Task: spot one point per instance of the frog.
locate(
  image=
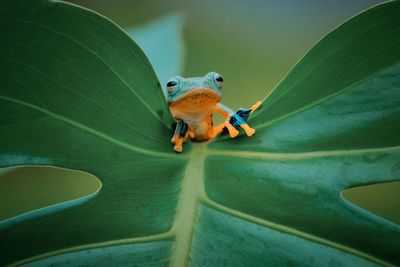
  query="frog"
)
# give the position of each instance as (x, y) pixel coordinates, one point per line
(193, 101)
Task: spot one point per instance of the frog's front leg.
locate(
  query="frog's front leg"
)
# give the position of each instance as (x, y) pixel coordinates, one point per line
(236, 119)
(180, 136)
(227, 113)
(176, 135)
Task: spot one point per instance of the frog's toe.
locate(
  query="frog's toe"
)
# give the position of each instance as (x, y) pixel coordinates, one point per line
(249, 131)
(256, 106)
(178, 145)
(233, 134)
(178, 148)
(191, 134)
(173, 140)
(231, 129)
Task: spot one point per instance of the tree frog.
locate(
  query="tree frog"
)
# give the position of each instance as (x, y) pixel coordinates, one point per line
(193, 101)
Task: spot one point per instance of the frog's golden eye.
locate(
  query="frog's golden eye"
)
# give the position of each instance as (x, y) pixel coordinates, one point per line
(172, 85)
(219, 80)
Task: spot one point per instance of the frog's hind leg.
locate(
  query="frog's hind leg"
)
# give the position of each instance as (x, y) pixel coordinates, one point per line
(181, 135)
(176, 134)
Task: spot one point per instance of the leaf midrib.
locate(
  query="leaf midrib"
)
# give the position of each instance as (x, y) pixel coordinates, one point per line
(193, 195)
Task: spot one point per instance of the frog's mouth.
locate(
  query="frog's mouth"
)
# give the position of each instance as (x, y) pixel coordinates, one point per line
(201, 100)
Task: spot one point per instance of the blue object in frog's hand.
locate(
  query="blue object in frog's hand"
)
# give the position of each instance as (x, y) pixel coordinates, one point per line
(239, 117)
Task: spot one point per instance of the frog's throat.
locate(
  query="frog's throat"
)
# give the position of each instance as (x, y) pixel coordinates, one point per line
(200, 100)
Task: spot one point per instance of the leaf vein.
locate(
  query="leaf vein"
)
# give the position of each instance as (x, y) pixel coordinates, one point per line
(98, 57)
(291, 231)
(318, 101)
(90, 130)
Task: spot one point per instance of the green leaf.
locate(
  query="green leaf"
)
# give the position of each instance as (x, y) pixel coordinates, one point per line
(78, 93)
(162, 42)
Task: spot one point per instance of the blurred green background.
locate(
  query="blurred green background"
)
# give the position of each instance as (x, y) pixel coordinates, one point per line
(253, 44)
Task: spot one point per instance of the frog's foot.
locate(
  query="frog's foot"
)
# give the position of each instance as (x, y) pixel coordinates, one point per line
(249, 131)
(181, 140)
(231, 129)
(176, 136)
(178, 144)
(240, 117)
(180, 136)
(255, 106)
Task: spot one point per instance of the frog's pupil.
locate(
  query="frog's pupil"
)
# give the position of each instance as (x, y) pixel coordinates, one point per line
(219, 79)
(171, 83)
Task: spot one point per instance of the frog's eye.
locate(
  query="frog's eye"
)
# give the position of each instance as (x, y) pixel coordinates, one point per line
(219, 80)
(172, 85)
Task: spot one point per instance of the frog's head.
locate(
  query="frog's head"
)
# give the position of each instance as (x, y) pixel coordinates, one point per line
(197, 93)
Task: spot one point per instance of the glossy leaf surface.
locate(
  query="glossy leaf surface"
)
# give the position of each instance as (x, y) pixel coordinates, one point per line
(78, 93)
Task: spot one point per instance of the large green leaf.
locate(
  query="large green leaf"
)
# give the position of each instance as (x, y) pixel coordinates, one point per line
(76, 92)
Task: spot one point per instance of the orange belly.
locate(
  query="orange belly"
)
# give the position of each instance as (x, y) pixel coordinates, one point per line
(203, 129)
(196, 108)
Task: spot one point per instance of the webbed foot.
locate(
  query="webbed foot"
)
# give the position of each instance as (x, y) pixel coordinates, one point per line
(178, 145)
(249, 131)
(238, 119)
